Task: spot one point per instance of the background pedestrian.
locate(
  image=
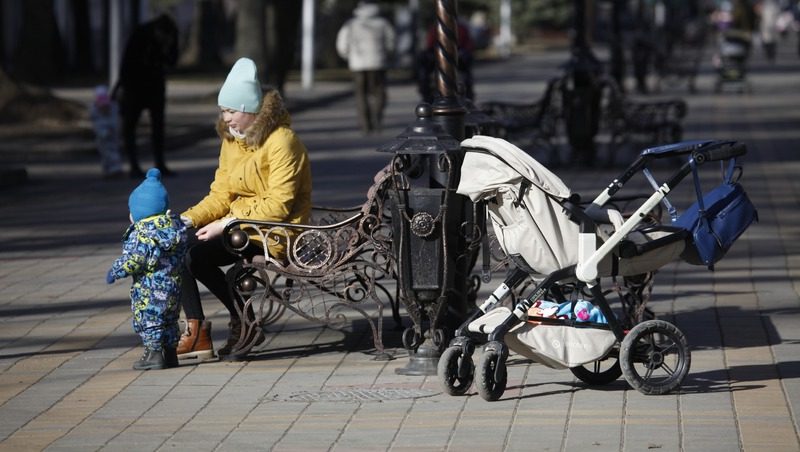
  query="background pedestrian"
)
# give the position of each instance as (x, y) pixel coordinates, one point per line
(150, 51)
(104, 113)
(367, 42)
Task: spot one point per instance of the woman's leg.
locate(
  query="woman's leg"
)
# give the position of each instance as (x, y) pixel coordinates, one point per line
(204, 261)
(190, 296)
(195, 342)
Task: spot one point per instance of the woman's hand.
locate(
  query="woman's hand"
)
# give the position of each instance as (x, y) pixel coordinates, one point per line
(211, 230)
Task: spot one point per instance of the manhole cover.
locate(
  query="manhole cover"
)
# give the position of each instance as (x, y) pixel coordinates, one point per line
(356, 395)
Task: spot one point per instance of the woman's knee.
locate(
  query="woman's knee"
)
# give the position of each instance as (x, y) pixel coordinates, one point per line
(206, 258)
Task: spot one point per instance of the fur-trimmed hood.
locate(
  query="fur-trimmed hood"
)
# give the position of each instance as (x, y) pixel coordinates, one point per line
(272, 115)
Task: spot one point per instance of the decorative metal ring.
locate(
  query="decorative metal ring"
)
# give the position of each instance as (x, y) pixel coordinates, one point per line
(313, 249)
(423, 224)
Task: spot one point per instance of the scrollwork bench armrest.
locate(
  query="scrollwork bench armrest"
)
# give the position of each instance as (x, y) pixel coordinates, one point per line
(237, 239)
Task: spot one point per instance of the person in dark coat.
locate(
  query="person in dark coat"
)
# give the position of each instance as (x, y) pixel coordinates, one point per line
(150, 51)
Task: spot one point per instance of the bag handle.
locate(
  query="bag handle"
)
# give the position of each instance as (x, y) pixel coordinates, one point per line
(733, 169)
(727, 178)
(697, 188)
(730, 176)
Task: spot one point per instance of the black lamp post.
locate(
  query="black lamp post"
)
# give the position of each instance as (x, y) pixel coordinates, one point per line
(447, 109)
(581, 96)
(433, 226)
(617, 49)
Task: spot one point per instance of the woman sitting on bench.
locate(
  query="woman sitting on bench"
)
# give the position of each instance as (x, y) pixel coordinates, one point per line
(263, 174)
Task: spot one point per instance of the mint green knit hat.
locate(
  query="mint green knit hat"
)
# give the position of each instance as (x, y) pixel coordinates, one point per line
(241, 90)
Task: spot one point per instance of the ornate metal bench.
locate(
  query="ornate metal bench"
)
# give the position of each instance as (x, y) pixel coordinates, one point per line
(342, 260)
(630, 121)
(534, 124)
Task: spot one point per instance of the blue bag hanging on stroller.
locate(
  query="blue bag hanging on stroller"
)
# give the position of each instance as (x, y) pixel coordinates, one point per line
(717, 219)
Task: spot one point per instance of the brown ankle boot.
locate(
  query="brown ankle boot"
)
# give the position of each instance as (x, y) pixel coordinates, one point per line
(195, 342)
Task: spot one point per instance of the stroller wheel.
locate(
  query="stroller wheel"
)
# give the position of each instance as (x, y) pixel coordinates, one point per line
(454, 381)
(655, 357)
(492, 375)
(600, 372)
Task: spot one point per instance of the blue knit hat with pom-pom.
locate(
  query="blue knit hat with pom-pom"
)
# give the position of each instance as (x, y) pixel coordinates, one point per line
(149, 198)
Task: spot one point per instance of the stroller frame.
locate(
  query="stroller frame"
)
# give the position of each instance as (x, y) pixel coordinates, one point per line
(636, 340)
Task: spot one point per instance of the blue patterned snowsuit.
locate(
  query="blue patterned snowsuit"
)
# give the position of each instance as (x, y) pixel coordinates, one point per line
(152, 253)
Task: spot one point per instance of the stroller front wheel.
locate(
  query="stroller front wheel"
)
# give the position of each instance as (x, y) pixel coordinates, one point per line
(492, 375)
(655, 357)
(456, 371)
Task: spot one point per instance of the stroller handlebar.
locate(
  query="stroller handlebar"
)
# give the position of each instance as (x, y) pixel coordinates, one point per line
(719, 153)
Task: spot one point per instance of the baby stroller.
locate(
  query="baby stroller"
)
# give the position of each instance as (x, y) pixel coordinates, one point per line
(734, 51)
(550, 236)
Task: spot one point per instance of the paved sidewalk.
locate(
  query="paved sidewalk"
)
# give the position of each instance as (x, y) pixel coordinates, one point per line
(66, 345)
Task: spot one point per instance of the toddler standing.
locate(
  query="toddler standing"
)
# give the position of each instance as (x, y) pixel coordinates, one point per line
(153, 250)
(105, 121)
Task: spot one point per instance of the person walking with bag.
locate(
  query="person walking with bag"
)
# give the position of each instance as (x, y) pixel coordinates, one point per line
(263, 174)
(367, 42)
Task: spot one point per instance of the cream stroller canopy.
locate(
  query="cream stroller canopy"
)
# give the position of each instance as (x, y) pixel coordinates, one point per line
(482, 175)
(524, 203)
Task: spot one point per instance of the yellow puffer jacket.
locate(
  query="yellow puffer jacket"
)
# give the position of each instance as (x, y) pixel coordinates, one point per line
(264, 176)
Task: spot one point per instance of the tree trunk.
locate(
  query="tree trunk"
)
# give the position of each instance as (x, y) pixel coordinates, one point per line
(250, 33)
(39, 54)
(283, 18)
(83, 39)
(203, 47)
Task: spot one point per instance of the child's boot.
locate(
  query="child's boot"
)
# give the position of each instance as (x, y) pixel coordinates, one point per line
(195, 342)
(151, 359)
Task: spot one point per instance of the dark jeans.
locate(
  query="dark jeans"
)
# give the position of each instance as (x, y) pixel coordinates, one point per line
(203, 262)
(132, 110)
(370, 88)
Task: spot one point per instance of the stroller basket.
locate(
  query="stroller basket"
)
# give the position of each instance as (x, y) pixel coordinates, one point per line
(556, 346)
